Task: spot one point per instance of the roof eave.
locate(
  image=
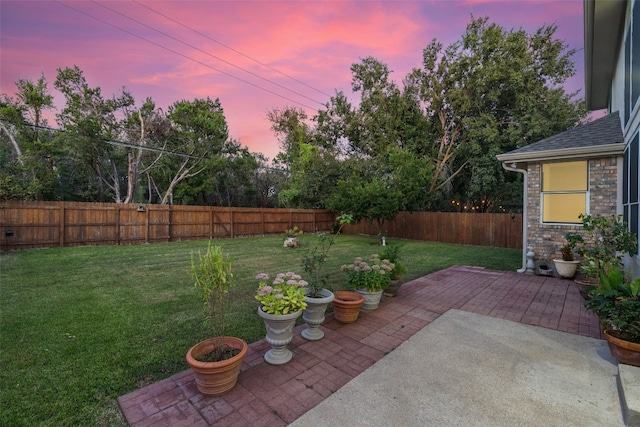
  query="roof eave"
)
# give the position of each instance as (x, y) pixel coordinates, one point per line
(603, 30)
(564, 154)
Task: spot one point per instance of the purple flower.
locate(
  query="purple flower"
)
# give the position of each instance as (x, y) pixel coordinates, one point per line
(262, 276)
(279, 296)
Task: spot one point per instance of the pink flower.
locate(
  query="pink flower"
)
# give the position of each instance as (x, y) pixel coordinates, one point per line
(262, 276)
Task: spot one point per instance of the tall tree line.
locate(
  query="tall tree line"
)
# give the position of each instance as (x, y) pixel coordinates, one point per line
(111, 150)
(430, 143)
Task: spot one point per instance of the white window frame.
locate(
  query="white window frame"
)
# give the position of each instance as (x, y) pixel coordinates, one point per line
(543, 193)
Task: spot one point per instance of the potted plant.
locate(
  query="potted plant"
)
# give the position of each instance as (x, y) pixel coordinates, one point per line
(607, 240)
(369, 278)
(317, 296)
(391, 252)
(281, 303)
(346, 306)
(567, 266)
(617, 305)
(291, 237)
(215, 362)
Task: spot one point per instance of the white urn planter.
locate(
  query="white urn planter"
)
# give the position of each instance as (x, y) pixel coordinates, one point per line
(566, 269)
(313, 315)
(371, 299)
(279, 334)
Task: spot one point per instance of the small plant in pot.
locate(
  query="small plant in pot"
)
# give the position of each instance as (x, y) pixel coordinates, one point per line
(317, 296)
(369, 278)
(281, 303)
(392, 253)
(567, 266)
(617, 305)
(291, 237)
(215, 362)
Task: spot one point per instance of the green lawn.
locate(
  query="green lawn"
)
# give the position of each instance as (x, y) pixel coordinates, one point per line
(81, 326)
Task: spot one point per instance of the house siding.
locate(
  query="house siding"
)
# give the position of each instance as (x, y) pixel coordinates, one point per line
(545, 240)
(625, 98)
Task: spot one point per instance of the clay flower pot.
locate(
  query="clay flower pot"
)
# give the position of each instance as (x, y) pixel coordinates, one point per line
(216, 378)
(566, 269)
(346, 306)
(623, 351)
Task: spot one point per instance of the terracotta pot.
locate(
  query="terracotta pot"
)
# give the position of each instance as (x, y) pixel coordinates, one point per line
(313, 315)
(279, 334)
(216, 378)
(624, 351)
(566, 269)
(346, 306)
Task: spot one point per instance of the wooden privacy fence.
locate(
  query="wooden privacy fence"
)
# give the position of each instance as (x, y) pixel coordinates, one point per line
(25, 225)
(48, 224)
(498, 230)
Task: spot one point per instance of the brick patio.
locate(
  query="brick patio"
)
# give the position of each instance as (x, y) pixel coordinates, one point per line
(271, 396)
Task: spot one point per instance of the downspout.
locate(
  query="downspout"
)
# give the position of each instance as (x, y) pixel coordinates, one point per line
(514, 168)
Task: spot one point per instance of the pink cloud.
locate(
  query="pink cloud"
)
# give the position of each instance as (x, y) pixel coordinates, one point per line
(315, 42)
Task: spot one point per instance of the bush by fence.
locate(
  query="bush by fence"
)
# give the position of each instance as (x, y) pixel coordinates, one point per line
(25, 225)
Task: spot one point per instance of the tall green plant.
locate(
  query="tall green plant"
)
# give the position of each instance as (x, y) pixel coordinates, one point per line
(313, 261)
(213, 279)
(609, 239)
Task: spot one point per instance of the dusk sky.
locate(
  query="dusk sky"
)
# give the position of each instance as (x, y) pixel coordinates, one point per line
(252, 55)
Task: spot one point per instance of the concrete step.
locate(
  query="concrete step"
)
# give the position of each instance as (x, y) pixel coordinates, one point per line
(629, 387)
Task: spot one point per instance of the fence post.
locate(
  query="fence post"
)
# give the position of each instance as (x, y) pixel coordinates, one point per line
(233, 234)
(62, 225)
(211, 221)
(146, 224)
(117, 224)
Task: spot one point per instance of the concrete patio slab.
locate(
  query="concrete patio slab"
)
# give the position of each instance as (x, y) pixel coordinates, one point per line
(466, 369)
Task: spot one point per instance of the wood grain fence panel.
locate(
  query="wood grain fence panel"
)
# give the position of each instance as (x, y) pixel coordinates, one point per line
(47, 224)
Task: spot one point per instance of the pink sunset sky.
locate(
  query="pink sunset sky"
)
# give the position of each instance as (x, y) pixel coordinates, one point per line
(175, 50)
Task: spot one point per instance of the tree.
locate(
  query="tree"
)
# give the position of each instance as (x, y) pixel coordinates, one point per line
(491, 92)
(90, 123)
(28, 153)
(199, 133)
(147, 131)
(310, 163)
(378, 189)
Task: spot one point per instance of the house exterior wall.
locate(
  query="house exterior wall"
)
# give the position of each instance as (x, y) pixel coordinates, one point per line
(625, 100)
(545, 240)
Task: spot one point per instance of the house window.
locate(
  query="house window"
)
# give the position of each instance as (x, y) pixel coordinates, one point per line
(564, 191)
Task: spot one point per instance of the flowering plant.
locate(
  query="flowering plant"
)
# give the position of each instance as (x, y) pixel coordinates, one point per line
(372, 276)
(285, 295)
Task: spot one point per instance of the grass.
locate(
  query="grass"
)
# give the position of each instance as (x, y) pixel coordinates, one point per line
(82, 326)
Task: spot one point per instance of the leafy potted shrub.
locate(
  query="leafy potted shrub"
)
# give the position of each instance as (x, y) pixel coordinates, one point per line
(215, 362)
(607, 240)
(281, 303)
(291, 237)
(369, 278)
(567, 266)
(317, 296)
(391, 253)
(617, 305)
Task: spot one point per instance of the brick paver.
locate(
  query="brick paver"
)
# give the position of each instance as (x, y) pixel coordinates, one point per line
(277, 395)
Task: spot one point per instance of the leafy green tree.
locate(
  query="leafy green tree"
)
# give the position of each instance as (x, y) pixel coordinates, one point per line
(491, 92)
(311, 165)
(199, 134)
(90, 122)
(378, 189)
(28, 153)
